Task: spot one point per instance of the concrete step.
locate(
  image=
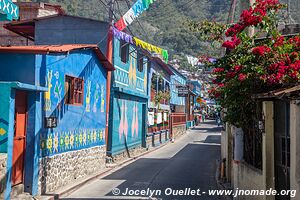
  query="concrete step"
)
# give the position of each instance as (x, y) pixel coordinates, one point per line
(16, 190)
(23, 196)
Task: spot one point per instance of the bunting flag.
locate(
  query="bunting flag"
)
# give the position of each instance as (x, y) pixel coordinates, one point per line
(138, 7)
(151, 48)
(140, 43)
(123, 36)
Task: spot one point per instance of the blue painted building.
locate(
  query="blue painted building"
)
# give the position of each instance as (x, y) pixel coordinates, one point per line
(53, 114)
(159, 102)
(129, 97)
(177, 79)
(178, 105)
(195, 87)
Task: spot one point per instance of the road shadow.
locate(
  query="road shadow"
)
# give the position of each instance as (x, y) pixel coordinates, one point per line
(209, 130)
(211, 139)
(192, 167)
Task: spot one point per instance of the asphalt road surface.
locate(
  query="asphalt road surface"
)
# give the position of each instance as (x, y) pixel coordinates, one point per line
(185, 169)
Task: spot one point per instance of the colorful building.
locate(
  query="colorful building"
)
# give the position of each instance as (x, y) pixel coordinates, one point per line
(178, 104)
(8, 10)
(27, 12)
(159, 102)
(53, 115)
(128, 102)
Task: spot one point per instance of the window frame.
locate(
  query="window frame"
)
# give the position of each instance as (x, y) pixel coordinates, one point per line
(76, 95)
(124, 49)
(140, 62)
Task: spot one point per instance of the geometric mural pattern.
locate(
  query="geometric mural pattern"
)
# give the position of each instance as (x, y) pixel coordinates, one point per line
(55, 143)
(121, 76)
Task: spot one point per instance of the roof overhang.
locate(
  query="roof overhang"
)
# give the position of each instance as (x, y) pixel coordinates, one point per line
(292, 92)
(48, 49)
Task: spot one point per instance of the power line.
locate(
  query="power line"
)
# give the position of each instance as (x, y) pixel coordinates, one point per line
(128, 5)
(119, 10)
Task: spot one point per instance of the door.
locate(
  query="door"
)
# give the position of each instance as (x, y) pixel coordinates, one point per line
(282, 147)
(19, 137)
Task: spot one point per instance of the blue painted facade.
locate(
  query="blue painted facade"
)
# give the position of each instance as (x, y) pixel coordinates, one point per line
(128, 102)
(177, 79)
(158, 113)
(87, 127)
(79, 126)
(195, 87)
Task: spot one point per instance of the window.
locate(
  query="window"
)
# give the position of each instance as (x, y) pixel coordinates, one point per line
(124, 51)
(167, 87)
(154, 81)
(161, 84)
(73, 90)
(140, 61)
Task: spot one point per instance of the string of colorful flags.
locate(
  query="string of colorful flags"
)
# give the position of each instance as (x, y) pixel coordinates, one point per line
(140, 43)
(133, 13)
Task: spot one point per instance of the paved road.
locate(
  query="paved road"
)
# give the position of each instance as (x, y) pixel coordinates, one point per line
(190, 162)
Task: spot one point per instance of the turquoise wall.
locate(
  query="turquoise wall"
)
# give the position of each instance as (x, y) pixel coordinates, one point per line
(79, 126)
(128, 118)
(127, 123)
(5, 112)
(127, 77)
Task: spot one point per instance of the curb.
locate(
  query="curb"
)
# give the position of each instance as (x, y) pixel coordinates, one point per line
(105, 172)
(220, 184)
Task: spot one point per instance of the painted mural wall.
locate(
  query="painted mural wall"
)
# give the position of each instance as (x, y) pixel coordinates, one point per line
(128, 121)
(126, 75)
(128, 109)
(79, 126)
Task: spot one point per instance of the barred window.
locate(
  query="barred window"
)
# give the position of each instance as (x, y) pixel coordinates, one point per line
(74, 88)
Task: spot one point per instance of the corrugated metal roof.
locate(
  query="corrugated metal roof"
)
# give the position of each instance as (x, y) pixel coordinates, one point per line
(47, 49)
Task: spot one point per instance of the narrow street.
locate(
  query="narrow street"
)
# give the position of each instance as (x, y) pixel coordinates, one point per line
(189, 162)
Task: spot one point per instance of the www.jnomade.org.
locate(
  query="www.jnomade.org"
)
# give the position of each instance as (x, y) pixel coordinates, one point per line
(197, 192)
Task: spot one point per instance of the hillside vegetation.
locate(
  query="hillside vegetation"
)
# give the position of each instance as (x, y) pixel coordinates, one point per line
(164, 24)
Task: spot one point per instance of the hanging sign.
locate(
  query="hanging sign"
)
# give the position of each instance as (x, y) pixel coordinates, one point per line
(8, 10)
(183, 90)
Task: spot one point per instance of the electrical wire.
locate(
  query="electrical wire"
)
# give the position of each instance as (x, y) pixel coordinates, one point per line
(147, 36)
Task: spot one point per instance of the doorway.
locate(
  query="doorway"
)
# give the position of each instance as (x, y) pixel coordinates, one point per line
(282, 147)
(19, 142)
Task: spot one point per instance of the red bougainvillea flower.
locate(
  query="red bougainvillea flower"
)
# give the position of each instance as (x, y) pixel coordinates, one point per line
(238, 68)
(279, 41)
(260, 50)
(242, 77)
(294, 55)
(230, 74)
(235, 29)
(218, 70)
(231, 44)
(221, 84)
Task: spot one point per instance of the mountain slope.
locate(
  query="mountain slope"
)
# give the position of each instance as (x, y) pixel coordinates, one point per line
(164, 24)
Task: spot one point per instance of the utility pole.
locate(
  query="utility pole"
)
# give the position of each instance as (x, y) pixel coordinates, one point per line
(109, 55)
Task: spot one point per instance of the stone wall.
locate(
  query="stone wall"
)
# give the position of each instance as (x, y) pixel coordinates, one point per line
(133, 152)
(59, 170)
(3, 159)
(178, 131)
(249, 178)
